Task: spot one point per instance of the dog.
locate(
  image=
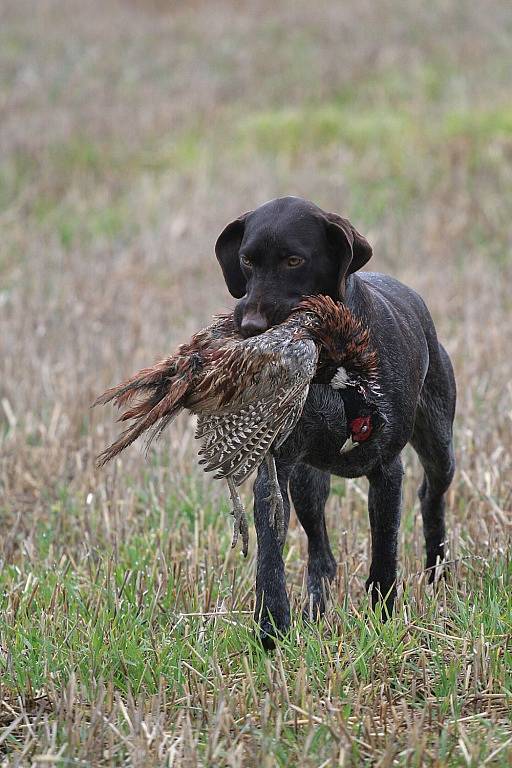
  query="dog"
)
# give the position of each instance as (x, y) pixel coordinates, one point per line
(271, 258)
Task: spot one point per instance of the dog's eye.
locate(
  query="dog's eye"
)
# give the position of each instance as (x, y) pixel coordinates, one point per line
(245, 261)
(295, 261)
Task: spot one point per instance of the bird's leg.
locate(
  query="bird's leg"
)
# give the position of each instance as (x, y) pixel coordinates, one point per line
(240, 525)
(275, 498)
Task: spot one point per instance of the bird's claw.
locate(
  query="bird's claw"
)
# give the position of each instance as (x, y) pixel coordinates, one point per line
(240, 527)
(276, 515)
(275, 500)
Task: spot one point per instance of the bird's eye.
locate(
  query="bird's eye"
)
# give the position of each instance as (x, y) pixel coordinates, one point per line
(245, 261)
(295, 261)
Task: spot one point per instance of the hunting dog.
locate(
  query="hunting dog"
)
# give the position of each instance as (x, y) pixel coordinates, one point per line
(271, 257)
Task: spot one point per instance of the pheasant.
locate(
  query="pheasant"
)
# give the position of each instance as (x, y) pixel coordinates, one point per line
(248, 394)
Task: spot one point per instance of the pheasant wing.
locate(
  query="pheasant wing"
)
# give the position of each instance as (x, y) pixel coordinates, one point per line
(255, 458)
(235, 442)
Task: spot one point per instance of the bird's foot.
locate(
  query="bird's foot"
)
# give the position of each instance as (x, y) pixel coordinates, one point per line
(240, 528)
(275, 500)
(240, 525)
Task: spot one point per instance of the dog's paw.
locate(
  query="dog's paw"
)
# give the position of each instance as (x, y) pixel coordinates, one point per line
(383, 594)
(267, 635)
(270, 631)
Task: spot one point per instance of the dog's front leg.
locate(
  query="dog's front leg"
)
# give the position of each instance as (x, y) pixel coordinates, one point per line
(272, 604)
(384, 506)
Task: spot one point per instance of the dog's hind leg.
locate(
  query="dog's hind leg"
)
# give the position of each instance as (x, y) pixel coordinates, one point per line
(432, 440)
(309, 489)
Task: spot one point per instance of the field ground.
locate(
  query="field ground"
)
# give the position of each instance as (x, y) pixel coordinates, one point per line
(131, 132)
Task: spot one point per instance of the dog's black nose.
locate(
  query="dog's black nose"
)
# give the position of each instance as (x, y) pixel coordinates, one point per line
(253, 324)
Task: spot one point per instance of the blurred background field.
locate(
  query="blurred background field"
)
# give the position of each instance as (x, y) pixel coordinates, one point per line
(130, 134)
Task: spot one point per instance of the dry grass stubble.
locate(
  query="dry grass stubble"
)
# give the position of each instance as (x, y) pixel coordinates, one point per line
(129, 137)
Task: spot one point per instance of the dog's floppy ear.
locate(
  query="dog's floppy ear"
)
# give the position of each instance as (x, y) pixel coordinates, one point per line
(352, 249)
(227, 249)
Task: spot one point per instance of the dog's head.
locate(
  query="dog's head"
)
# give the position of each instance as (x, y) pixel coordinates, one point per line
(286, 249)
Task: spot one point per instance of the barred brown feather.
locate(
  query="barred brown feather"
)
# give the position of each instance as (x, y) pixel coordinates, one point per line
(235, 443)
(248, 393)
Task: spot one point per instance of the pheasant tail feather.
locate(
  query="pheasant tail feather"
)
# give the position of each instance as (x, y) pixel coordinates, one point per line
(155, 409)
(146, 378)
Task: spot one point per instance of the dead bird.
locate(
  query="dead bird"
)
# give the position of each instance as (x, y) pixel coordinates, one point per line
(248, 393)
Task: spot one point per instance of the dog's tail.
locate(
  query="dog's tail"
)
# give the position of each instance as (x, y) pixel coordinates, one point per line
(161, 391)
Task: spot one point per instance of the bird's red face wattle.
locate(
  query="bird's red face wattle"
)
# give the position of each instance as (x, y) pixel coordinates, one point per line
(361, 428)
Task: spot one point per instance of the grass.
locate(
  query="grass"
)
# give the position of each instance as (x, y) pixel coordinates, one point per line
(143, 624)
(129, 138)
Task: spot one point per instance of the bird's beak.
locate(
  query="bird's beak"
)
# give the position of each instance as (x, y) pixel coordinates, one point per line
(348, 445)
